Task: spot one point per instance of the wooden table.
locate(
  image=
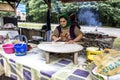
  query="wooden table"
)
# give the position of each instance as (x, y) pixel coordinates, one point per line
(59, 47)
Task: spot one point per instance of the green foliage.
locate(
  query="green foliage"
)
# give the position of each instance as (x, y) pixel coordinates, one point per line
(110, 12)
(58, 7)
(2, 14)
(64, 8)
(37, 11)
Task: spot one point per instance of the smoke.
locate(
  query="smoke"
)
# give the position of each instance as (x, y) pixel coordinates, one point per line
(88, 16)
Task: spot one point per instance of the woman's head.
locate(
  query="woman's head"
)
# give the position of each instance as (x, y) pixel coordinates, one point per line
(64, 20)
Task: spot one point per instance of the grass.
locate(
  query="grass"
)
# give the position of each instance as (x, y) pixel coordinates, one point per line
(29, 25)
(32, 25)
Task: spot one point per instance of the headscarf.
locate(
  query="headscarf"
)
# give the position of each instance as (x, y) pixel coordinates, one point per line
(66, 18)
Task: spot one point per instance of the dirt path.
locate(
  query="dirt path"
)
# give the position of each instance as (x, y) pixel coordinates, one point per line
(109, 31)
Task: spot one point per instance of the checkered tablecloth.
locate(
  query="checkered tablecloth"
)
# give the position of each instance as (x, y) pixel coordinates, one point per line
(33, 67)
(1, 65)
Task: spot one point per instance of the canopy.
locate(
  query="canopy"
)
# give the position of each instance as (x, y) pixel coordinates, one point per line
(9, 5)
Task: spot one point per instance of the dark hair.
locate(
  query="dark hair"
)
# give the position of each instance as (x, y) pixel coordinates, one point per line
(63, 17)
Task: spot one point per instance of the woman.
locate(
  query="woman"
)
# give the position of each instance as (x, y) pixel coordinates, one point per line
(65, 31)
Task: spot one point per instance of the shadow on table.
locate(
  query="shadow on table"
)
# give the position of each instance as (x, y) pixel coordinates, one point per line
(3, 77)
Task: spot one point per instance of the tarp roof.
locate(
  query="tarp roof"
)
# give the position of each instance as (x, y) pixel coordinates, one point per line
(13, 4)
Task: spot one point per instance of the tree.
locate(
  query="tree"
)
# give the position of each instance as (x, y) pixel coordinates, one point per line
(58, 8)
(2, 14)
(110, 12)
(37, 11)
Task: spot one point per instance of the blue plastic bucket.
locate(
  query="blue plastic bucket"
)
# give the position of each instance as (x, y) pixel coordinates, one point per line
(20, 48)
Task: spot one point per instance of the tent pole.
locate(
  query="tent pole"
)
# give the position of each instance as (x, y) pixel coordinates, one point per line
(48, 15)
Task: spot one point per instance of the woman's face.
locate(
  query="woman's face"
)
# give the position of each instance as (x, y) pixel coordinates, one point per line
(63, 22)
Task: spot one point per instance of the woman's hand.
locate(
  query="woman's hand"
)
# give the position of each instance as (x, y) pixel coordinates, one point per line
(71, 41)
(54, 38)
(57, 39)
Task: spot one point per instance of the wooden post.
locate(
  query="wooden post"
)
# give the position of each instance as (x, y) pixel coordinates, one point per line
(47, 57)
(75, 58)
(48, 15)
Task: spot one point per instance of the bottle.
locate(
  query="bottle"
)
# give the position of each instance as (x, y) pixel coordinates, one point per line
(7, 36)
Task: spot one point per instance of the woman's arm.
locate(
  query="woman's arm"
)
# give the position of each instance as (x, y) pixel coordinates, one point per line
(78, 38)
(79, 35)
(55, 34)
